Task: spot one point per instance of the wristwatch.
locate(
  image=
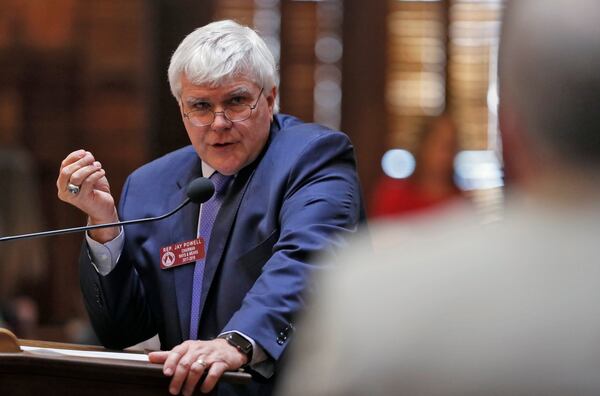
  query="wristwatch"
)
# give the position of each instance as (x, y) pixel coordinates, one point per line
(239, 342)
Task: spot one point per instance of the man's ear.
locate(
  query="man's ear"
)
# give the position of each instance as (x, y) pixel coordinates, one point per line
(271, 98)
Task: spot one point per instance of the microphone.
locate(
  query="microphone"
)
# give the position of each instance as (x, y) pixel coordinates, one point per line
(198, 191)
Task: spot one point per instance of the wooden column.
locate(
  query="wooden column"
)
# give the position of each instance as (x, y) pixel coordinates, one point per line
(363, 106)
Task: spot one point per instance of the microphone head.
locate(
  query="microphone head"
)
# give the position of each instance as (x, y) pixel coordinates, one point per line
(200, 190)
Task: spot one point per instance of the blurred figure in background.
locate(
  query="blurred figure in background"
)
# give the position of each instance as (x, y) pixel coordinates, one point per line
(431, 186)
(20, 315)
(509, 309)
(22, 264)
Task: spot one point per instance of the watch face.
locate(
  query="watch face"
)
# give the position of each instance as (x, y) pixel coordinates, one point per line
(242, 344)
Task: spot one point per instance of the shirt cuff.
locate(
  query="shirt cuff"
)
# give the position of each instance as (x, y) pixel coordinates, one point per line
(105, 256)
(261, 363)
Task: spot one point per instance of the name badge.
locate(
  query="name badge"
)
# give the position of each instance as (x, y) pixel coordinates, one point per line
(182, 253)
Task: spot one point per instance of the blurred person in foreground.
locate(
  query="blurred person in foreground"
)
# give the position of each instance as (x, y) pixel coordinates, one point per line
(431, 186)
(510, 309)
(285, 190)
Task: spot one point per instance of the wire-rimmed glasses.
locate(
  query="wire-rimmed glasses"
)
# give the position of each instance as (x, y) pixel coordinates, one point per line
(232, 112)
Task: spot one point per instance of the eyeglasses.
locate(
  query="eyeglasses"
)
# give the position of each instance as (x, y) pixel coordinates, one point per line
(232, 112)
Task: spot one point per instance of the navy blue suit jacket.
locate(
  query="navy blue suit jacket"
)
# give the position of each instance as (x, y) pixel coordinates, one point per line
(300, 197)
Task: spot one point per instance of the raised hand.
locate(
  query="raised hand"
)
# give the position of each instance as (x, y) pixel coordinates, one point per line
(82, 183)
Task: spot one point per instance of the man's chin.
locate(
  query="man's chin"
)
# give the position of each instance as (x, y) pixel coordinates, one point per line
(226, 169)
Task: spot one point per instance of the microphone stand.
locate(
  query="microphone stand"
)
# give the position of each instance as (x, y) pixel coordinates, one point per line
(199, 190)
(94, 227)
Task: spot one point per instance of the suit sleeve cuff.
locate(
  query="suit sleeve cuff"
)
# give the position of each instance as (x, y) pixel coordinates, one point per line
(104, 257)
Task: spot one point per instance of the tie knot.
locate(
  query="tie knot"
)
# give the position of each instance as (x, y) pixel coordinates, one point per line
(220, 181)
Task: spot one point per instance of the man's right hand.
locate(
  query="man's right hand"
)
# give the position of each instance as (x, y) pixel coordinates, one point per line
(94, 198)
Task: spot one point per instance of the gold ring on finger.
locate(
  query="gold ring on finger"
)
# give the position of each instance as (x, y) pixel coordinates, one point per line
(202, 363)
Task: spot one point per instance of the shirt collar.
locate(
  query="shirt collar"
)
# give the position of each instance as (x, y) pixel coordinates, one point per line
(207, 170)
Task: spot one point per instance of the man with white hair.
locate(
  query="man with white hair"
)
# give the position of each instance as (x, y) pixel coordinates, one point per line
(509, 309)
(285, 191)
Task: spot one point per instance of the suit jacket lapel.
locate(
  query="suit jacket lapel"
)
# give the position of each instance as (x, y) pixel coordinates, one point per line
(184, 227)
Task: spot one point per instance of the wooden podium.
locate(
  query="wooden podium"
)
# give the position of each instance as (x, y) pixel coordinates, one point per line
(47, 373)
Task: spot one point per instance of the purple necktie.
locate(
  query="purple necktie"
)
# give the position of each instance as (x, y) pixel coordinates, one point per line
(209, 213)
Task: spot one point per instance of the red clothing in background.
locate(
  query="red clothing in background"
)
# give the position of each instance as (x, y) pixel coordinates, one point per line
(394, 197)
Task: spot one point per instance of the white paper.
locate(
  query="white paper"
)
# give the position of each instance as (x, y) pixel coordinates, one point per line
(140, 357)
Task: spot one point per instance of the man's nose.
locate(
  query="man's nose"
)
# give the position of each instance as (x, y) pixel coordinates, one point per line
(221, 121)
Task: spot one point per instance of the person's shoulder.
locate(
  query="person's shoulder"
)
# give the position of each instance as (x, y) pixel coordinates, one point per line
(296, 136)
(396, 249)
(291, 127)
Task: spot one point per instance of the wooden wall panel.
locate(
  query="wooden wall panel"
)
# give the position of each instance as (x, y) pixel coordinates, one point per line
(298, 61)
(72, 75)
(363, 84)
